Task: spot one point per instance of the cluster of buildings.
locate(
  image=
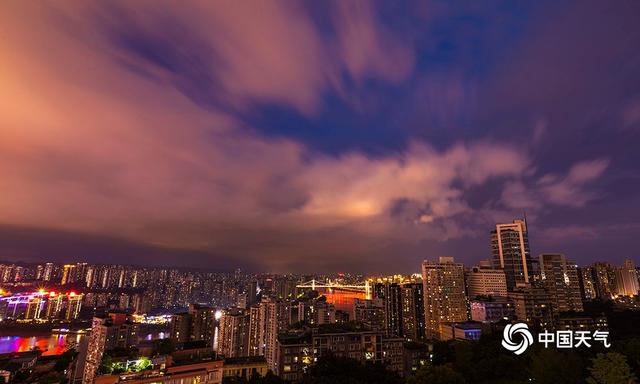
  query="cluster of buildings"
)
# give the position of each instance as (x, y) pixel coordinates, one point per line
(250, 324)
(40, 306)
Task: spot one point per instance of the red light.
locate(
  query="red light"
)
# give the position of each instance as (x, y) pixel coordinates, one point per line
(72, 293)
(52, 293)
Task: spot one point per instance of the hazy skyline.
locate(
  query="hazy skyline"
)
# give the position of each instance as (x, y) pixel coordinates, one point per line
(317, 136)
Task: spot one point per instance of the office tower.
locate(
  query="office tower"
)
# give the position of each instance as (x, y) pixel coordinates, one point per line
(370, 312)
(627, 279)
(233, 340)
(74, 304)
(39, 272)
(444, 296)
(391, 295)
(413, 311)
(47, 274)
(510, 249)
(484, 281)
(587, 283)
(68, 274)
(560, 277)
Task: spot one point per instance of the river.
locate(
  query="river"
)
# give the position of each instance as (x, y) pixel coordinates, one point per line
(51, 344)
(54, 343)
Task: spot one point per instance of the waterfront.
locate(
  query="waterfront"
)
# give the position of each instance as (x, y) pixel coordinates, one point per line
(50, 344)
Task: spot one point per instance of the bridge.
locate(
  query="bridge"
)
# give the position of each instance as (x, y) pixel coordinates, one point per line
(335, 285)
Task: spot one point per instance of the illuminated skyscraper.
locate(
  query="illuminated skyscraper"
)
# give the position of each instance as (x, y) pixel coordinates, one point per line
(68, 274)
(34, 308)
(54, 305)
(413, 311)
(627, 279)
(107, 332)
(263, 330)
(444, 296)
(510, 248)
(47, 274)
(390, 294)
(560, 277)
(604, 275)
(95, 349)
(74, 304)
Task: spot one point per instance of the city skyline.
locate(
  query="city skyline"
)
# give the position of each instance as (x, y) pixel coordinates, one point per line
(317, 137)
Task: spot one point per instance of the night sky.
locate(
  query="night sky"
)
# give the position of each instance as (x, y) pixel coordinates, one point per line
(317, 136)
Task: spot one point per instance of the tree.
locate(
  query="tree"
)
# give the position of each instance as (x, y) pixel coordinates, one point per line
(440, 374)
(553, 366)
(610, 368)
(331, 369)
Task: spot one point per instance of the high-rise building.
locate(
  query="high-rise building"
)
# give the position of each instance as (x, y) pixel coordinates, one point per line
(560, 277)
(74, 304)
(197, 324)
(604, 275)
(107, 332)
(510, 249)
(627, 279)
(391, 295)
(68, 274)
(233, 340)
(180, 325)
(444, 296)
(263, 330)
(202, 323)
(484, 281)
(54, 305)
(587, 283)
(34, 308)
(413, 311)
(47, 274)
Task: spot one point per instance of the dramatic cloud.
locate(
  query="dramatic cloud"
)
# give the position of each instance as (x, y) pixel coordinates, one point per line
(134, 124)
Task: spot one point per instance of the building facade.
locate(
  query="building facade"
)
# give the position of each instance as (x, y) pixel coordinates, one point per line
(444, 294)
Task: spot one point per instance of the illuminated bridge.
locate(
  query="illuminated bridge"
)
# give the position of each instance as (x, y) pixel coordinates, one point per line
(339, 294)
